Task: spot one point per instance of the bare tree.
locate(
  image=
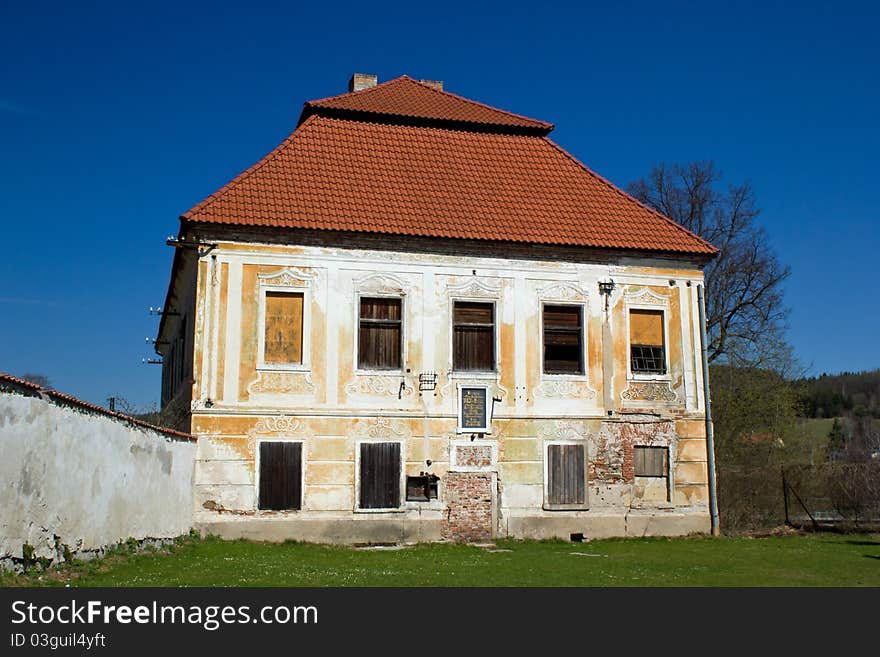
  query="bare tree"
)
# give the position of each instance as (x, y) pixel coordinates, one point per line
(38, 379)
(745, 312)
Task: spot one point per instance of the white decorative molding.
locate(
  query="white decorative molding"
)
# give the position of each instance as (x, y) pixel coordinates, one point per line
(380, 427)
(649, 391)
(449, 388)
(563, 291)
(288, 277)
(565, 389)
(646, 296)
(378, 386)
(474, 288)
(564, 430)
(275, 425)
(381, 284)
(282, 383)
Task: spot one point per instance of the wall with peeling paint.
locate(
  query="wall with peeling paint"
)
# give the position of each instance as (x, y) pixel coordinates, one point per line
(81, 481)
(330, 405)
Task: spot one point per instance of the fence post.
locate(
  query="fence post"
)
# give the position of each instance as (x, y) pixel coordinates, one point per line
(785, 495)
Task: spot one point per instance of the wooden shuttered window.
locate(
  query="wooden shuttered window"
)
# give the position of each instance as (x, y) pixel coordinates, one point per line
(473, 336)
(647, 344)
(380, 334)
(283, 330)
(651, 461)
(566, 480)
(563, 340)
(379, 476)
(280, 476)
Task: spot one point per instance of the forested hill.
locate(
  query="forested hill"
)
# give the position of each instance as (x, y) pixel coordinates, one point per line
(837, 395)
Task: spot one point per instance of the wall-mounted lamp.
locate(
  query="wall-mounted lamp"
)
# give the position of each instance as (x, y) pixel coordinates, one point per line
(606, 288)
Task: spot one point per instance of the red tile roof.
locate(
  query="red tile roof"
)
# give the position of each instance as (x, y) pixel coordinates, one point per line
(356, 173)
(405, 97)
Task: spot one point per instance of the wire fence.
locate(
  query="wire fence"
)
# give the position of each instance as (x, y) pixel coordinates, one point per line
(825, 496)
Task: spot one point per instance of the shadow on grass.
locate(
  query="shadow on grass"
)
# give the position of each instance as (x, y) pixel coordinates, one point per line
(868, 543)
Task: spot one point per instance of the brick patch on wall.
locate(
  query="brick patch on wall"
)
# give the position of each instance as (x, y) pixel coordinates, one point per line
(468, 513)
(473, 456)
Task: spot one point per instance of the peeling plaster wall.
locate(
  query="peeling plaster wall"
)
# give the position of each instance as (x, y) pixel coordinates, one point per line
(330, 405)
(86, 481)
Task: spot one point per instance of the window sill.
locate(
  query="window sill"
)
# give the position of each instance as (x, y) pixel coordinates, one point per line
(282, 367)
(474, 374)
(391, 510)
(360, 372)
(649, 377)
(565, 507)
(560, 376)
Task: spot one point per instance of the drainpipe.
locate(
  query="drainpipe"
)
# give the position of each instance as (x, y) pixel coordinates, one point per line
(710, 433)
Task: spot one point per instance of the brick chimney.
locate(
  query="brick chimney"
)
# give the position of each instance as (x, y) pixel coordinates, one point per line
(437, 84)
(362, 81)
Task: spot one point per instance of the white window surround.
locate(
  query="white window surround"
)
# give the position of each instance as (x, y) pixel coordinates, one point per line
(401, 480)
(304, 366)
(647, 300)
(551, 376)
(547, 506)
(492, 374)
(459, 388)
(357, 334)
(302, 474)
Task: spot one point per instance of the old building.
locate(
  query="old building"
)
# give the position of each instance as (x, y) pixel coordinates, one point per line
(419, 318)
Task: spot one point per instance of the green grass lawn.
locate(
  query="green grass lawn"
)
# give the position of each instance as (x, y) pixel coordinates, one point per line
(797, 560)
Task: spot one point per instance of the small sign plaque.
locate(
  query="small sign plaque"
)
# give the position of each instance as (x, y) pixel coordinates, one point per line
(473, 409)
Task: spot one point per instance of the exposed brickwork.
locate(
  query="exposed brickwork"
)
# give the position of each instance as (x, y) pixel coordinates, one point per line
(468, 513)
(473, 456)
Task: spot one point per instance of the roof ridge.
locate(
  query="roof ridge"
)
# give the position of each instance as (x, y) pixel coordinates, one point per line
(628, 196)
(479, 104)
(323, 103)
(244, 175)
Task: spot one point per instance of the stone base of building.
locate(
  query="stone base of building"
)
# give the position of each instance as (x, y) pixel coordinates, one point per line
(365, 529)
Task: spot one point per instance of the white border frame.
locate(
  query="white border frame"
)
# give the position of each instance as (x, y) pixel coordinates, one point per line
(545, 504)
(455, 467)
(664, 310)
(560, 376)
(359, 294)
(495, 372)
(304, 366)
(670, 479)
(401, 481)
(459, 391)
(302, 473)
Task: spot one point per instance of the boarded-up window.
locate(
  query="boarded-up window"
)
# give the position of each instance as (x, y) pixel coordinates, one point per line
(280, 475)
(380, 476)
(646, 339)
(473, 336)
(563, 340)
(651, 461)
(379, 340)
(566, 483)
(284, 328)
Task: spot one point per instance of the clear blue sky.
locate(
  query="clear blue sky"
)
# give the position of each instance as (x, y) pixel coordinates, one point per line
(116, 117)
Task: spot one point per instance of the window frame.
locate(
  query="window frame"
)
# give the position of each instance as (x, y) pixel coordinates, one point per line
(549, 506)
(357, 339)
(642, 376)
(496, 347)
(302, 473)
(304, 365)
(401, 480)
(583, 341)
(666, 460)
